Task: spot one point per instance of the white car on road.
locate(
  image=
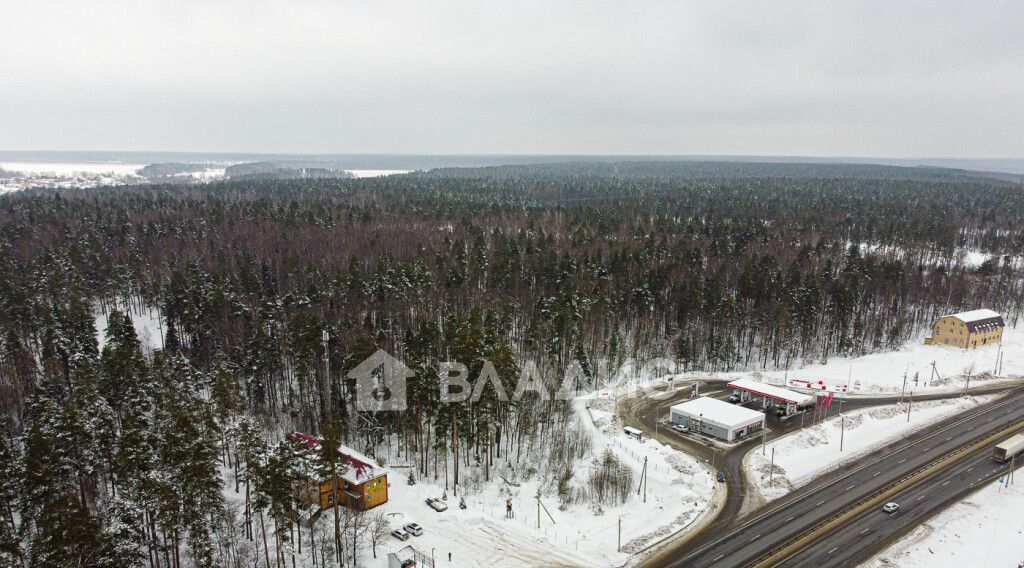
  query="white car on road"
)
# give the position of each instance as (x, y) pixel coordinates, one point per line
(890, 507)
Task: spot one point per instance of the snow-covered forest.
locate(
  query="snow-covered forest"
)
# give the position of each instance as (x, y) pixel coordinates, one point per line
(130, 454)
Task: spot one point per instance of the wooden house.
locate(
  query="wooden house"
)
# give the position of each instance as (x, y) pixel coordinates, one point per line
(361, 483)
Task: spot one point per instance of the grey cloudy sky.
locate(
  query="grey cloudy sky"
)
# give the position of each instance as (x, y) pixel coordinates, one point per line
(889, 79)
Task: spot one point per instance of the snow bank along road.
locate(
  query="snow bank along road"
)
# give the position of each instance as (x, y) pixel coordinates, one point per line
(825, 497)
(874, 529)
(645, 412)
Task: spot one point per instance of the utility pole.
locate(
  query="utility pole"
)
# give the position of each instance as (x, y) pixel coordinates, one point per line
(910, 403)
(842, 431)
(325, 386)
(999, 354)
(904, 389)
(643, 480)
(771, 468)
(620, 535)
(764, 438)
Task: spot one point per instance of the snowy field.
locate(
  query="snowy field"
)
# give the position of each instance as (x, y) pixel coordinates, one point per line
(71, 169)
(986, 530)
(883, 372)
(209, 174)
(810, 452)
(67, 175)
(376, 173)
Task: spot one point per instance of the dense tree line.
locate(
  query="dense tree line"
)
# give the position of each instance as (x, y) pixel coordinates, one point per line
(122, 456)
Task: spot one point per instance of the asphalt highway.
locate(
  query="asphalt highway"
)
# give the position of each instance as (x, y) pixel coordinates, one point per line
(831, 494)
(648, 413)
(856, 541)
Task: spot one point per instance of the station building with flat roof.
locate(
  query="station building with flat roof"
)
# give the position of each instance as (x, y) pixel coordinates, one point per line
(717, 419)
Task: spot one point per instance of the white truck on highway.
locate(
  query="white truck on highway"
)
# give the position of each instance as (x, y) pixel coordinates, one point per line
(1008, 448)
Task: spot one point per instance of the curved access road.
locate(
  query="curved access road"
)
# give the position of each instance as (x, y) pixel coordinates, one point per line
(832, 494)
(648, 413)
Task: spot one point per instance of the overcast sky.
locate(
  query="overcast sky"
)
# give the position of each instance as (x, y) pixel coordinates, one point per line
(887, 79)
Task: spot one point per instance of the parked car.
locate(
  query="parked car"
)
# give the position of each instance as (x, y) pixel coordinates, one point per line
(679, 428)
(414, 529)
(437, 505)
(721, 477)
(890, 507)
(400, 534)
(734, 398)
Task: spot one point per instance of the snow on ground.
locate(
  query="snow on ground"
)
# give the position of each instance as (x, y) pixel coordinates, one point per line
(810, 452)
(985, 530)
(883, 372)
(147, 327)
(376, 173)
(678, 491)
(209, 174)
(71, 169)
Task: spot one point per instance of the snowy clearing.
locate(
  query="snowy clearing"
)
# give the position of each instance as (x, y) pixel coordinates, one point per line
(147, 323)
(376, 173)
(679, 491)
(985, 530)
(883, 372)
(810, 452)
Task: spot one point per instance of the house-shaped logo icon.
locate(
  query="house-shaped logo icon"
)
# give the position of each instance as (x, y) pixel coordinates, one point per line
(380, 382)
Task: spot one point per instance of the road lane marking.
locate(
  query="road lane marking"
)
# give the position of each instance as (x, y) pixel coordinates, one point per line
(875, 474)
(971, 428)
(789, 519)
(755, 538)
(717, 558)
(833, 550)
(995, 407)
(946, 483)
(820, 503)
(925, 450)
(849, 488)
(865, 531)
(902, 460)
(921, 497)
(970, 468)
(949, 438)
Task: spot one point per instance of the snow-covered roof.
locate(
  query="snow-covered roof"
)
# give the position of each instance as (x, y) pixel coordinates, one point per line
(361, 468)
(976, 315)
(771, 391)
(405, 554)
(719, 413)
